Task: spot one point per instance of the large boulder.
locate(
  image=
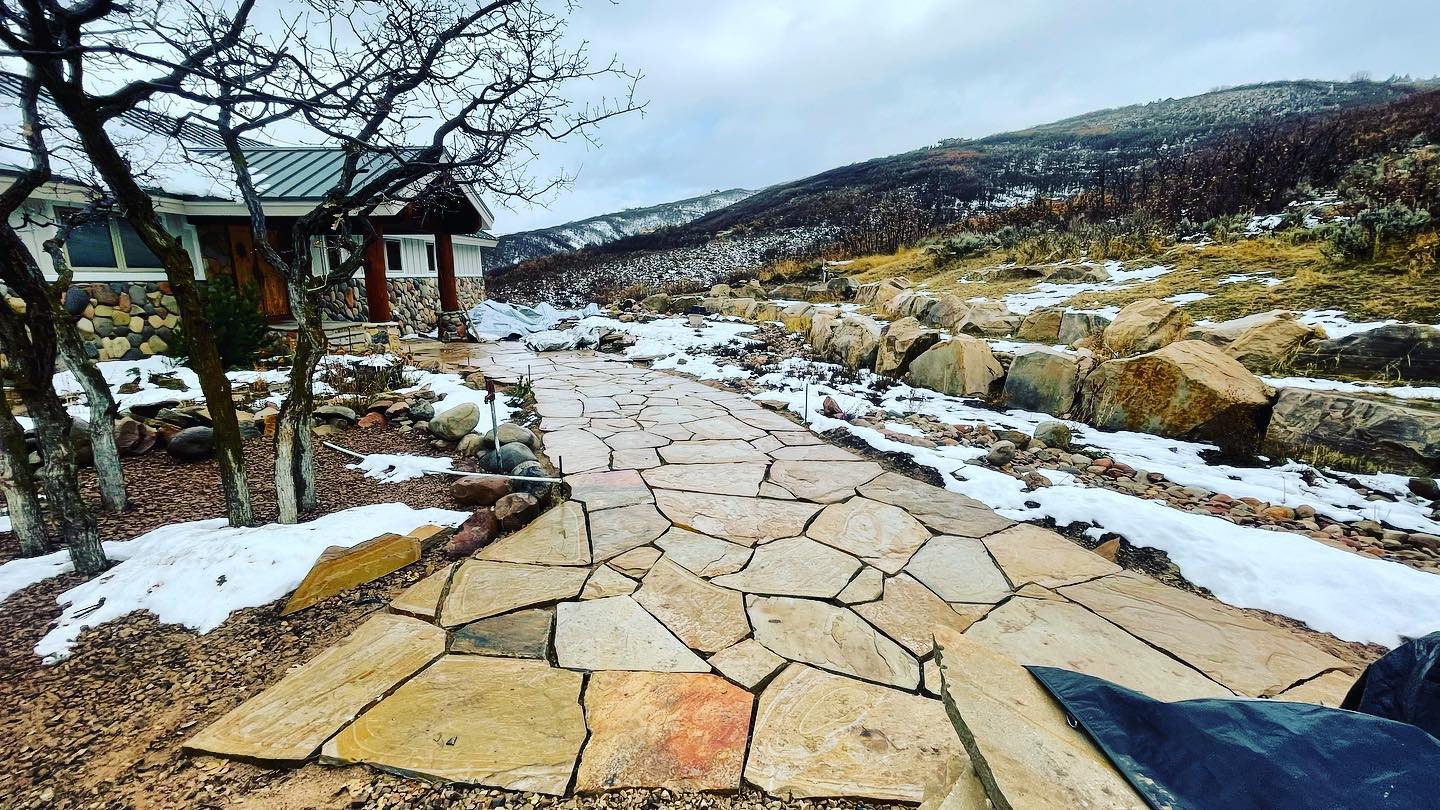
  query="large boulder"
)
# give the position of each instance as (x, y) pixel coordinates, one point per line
(822, 323)
(1404, 351)
(1076, 326)
(454, 423)
(1402, 435)
(1077, 272)
(989, 318)
(766, 312)
(1144, 326)
(1042, 380)
(961, 366)
(854, 342)
(949, 312)
(192, 444)
(1186, 390)
(879, 293)
(900, 343)
(842, 287)
(509, 432)
(1040, 326)
(1271, 341)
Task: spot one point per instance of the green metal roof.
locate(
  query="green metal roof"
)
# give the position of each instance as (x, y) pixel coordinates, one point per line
(303, 172)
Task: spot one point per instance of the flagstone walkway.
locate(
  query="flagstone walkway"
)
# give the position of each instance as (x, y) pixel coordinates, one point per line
(727, 597)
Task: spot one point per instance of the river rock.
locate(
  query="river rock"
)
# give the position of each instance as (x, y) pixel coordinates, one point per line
(479, 490)
(515, 510)
(453, 424)
(192, 444)
(509, 433)
(475, 533)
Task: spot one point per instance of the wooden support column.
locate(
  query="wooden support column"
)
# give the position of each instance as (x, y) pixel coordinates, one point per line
(445, 268)
(377, 292)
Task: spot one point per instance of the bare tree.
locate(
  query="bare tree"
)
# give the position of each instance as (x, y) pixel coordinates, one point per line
(22, 491)
(61, 44)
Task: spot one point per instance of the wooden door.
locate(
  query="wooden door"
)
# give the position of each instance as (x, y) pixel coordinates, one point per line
(252, 269)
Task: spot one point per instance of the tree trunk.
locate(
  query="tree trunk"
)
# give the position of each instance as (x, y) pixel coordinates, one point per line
(294, 453)
(27, 521)
(108, 474)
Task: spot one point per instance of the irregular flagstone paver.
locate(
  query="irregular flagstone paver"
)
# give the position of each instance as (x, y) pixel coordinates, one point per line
(770, 489)
(910, 614)
(765, 444)
(830, 637)
(940, 509)
(506, 723)
(679, 415)
(576, 451)
(1064, 634)
(340, 569)
(717, 479)
(642, 459)
(930, 677)
(878, 533)
(795, 566)
(1238, 650)
(422, 600)
(558, 537)
(1030, 554)
(1325, 690)
(606, 581)
(818, 734)
(958, 569)
(706, 617)
(606, 490)
(616, 633)
(637, 561)
(813, 452)
(522, 634)
(702, 554)
(798, 439)
(867, 586)
(768, 420)
(823, 481)
(484, 588)
(1023, 751)
(747, 663)
(664, 730)
(289, 721)
(723, 427)
(1032, 591)
(636, 440)
(674, 432)
(711, 452)
(744, 520)
(615, 531)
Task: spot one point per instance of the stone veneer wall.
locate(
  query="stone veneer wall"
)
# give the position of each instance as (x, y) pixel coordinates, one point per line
(122, 320)
(414, 302)
(345, 301)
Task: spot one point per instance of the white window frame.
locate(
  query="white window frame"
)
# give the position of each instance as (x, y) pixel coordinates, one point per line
(415, 250)
(36, 235)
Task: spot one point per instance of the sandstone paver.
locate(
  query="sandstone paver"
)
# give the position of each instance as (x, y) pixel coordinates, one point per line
(482, 588)
(718, 479)
(743, 520)
(942, 510)
(557, 537)
(615, 531)
(711, 452)
(615, 633)
(830, 637)
(910, 614)
(606, 490)
(702, 554)
(795, 566)
(823, 481)
(880, 534)
(747, 663)
(522, 634)
(422, 600)
(636, 561)
(958, 569)
(1030, 554)
(606, 581)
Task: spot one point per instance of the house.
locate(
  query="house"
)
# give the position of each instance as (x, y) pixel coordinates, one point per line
(428, 261)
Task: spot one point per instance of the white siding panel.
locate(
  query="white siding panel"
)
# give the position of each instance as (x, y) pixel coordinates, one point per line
(468, 261)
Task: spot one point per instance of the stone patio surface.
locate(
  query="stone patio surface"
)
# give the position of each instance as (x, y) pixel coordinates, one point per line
(753, 605)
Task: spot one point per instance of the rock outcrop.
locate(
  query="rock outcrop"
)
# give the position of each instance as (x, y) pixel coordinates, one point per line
(1402, 435)
(1186, 390)
(1261, 342)
(961, 366)
(1404, 351)
(853, 342)
(1144, 326)
(879, 293)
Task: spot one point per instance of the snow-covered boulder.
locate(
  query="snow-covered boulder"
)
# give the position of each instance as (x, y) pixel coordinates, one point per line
(900, 343)
(1186, 390)
(1146, 325)
(961, 366)
(1043, 380)
(1401, 434)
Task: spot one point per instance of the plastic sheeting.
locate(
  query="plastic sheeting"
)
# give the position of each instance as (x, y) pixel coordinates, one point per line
(497, 320)
(1403, 685)
(1251, 753)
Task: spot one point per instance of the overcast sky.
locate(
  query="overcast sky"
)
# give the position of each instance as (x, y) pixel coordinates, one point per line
(752, 92)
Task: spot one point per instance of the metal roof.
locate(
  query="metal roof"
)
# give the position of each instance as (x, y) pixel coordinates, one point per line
(303, 172)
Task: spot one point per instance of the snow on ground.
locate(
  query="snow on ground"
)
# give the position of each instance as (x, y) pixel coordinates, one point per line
(1237, 278)
(671, 343)
(196, 574)
(1187, 298)
(1050, 294)
(1248, 567)
(1318, 384)
(122, 374)
(392, 468)
(450, 389)
(1335, 324)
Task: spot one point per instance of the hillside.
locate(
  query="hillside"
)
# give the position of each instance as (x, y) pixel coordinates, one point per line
(599, 230)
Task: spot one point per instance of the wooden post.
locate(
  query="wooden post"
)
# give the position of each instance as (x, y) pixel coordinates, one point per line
(377, 293)
(445, 268)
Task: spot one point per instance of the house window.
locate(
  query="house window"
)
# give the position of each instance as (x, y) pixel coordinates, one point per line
(393, 264)
(430, 257)
(110, 244)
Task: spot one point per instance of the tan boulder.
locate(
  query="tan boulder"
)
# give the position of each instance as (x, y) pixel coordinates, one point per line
(1186, 390)
(1042, 380)
(798, 317)
(900, 343)
(1269, 340)
(948, 312)
(822, 323)
(878, 293)
(854, 342)
(1146, 325)
(990, 318)
(1040, 326)
(961, 366)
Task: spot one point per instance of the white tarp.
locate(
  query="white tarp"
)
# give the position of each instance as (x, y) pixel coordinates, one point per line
(496, 320)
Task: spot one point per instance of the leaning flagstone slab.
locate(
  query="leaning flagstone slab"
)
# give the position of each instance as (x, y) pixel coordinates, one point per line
(717, 479)
(1066, 635)
(1030, 554)
(1021, 748)
(747, 663)
(484, 588)
(958, 569)
(743, 520)
(831, 637)
(668, 730)
(422, 600)
(339, 568)
(289, 721)
(940, 509)
(615, 633)
(606, 490)
(558, 537)
(878, 533)
(702, 554)
(818, 734)
(522, 634)
(506, 723)
(795, 566)
(910, 613)
(706, 617)
(615, 531)
(823, 481)
(1244, 653)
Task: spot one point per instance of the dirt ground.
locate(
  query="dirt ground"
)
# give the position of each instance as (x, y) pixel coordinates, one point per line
(103, 729)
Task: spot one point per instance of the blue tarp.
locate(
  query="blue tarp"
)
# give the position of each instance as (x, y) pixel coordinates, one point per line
(1404, 685)
(1243, 753)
